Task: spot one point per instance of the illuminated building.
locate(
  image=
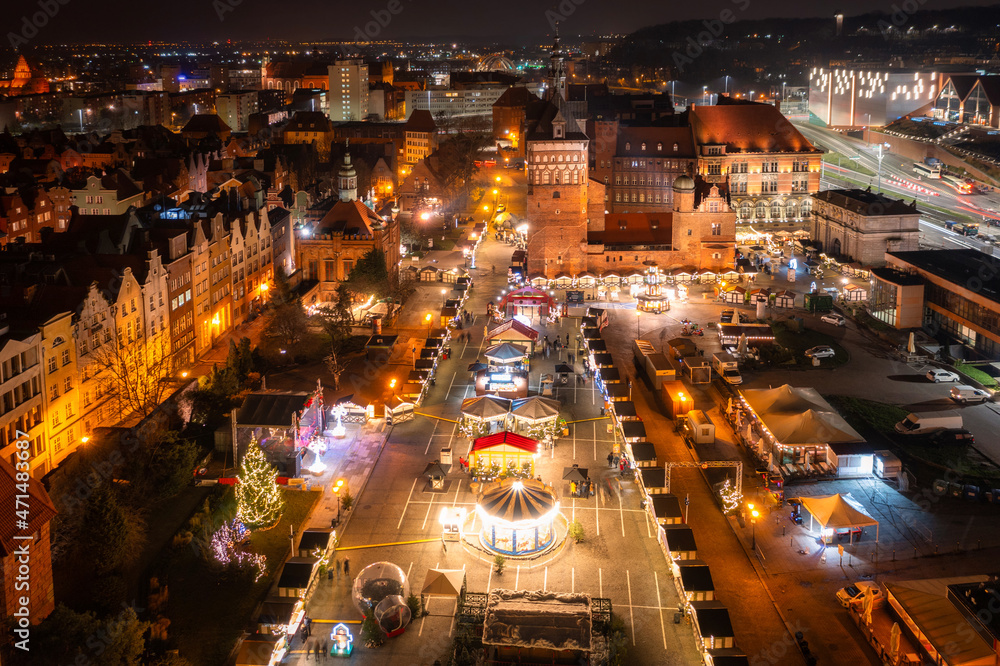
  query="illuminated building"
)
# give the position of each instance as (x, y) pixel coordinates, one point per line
(850, 98)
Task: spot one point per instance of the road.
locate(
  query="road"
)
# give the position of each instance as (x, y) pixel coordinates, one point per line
(932, 220)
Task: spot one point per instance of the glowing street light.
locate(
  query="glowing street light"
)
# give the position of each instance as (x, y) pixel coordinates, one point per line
(429, 318)
(754, 514)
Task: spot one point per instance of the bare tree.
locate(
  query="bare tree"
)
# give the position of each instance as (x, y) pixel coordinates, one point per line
(336, 368)
(137, 371)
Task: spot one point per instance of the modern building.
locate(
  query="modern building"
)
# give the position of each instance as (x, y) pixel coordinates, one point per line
(473, 101)
(969, 98)
(952, 294)
(855, 98)
(861, 225)
(235, 109)
(348, 90)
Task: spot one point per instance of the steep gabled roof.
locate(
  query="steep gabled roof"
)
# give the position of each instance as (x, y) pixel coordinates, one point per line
(41, 508)
(516, 97)
(420, 120)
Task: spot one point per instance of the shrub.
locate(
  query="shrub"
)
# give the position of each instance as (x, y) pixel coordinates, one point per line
(576, 531)
(413, 602)
(499, 561)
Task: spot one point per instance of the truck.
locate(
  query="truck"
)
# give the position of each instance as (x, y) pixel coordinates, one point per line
(918, 423)
(727, 367)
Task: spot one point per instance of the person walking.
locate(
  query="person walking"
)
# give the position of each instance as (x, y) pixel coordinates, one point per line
(572, 488)
(611, 457)
(347, 566)
(338, 568)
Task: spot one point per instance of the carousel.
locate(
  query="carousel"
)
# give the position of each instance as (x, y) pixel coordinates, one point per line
(517, 517)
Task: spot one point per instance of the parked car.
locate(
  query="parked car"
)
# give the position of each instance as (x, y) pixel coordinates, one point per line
(937, 375)
(856, 594)
(967, 395)
(822, 351)
(952, 437)
(834, 318)
(922, 423)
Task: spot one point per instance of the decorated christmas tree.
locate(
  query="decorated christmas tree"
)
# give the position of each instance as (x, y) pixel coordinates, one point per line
(730, 498)
(259, 502)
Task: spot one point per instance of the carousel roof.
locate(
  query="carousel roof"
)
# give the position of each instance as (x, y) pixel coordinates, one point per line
(506, 352)
(517, 500)
(506, 437)
(485, 407)
(536, 408)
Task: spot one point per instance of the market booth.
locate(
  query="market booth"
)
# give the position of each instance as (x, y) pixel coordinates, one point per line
(486, 409)
(506, 450)
(514, 332)
(534, 411)
(528, 302)
(837, 515)
(517, 516)
(504, 382)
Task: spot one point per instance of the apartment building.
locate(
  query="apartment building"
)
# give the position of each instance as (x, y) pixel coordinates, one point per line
(348, 90)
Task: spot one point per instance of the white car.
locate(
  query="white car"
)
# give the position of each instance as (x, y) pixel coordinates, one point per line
(853, 594)
(822, 351)
(834, 318)
(937, 375)
(969, 395)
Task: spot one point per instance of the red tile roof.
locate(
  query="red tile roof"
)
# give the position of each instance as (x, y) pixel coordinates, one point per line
(637, 230)
(755, 128)
(513, 439)
(40, 509)
(421, 120)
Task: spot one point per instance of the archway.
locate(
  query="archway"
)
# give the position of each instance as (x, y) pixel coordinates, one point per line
(835, 247)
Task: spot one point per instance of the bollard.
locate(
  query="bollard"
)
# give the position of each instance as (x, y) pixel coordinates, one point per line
(914, 552)
(782, 530)
(893, 554)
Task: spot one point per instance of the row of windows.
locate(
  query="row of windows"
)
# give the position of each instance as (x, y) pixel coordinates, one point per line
(543, 178)
(53, 363)
(544, 158)
(659, 146)
(962, 307)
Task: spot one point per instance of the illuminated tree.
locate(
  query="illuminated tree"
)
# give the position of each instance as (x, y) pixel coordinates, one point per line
(227, 548)
(259, 501)
(134, 372)
(730, 498)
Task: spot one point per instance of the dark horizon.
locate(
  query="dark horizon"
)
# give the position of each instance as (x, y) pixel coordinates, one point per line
(396, 20)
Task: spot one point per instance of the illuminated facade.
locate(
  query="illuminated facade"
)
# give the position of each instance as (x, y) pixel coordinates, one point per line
(969, 99)
(865, 98)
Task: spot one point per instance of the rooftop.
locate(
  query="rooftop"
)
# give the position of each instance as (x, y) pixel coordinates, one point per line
(866, 202)
(271, 409)
(965, 268)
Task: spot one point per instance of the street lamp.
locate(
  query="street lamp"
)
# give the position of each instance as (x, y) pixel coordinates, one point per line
(638, 312)
(429, 318)
(754, 513)
(337, 487)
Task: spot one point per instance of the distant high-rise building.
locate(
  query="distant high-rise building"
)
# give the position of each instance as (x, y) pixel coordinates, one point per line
(235, 109)
(348, 90)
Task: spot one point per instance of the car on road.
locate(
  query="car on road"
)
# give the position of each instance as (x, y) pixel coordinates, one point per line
(952, 437)
(969, 395)
(937, 375)
(834, 318)
(856, 594)
(822, 351)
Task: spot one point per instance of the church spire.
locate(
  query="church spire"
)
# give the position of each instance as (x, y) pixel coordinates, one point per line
(557, 70)
(347, 178)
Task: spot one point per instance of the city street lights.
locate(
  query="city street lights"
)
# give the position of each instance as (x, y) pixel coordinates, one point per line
(429, 318)
(337, 488)
(753, 520)
(638, 314)
(392, 387)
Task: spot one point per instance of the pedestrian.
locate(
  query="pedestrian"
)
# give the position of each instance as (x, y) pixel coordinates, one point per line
(616, 461)
(572, 488)
(338, 568)
(621, 465)
(611, 457)
(318, 650)
(567, 338)
(347, 566)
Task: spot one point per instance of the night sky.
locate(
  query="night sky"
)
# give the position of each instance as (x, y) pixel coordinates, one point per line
(91, 21)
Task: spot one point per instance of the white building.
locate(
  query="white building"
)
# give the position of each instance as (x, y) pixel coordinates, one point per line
(235, 109)
(866, 98)
(471, 102)
(348, 90)
(862, 225)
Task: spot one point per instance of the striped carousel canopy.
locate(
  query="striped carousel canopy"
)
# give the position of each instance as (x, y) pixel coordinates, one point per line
(517, 500)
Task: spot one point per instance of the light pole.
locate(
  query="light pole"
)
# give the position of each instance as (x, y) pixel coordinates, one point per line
(337, 487)
(868, 129)
(753, 521)
(638, 314)
(879, 165)
(429, 318)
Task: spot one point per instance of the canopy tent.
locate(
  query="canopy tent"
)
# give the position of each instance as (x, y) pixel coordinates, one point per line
(784, 398)
(535, 409)
(486, 408)
(563, 369)
(477, 366)
(838, 511)
(505, 353)
(811, 427)
(443, 583)
(576, 473)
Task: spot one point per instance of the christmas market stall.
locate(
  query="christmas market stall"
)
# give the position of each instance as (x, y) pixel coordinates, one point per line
(284, 424)
(487, 409)
(514, 332)
(503, 453)
(517, 516)
(529, 302)
(534, 411)
(539, 627)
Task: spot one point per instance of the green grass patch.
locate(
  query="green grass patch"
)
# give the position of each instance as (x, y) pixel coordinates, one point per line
(799, 341)
(975, 373)
(209, 609)
(864, 414)
(845, 162)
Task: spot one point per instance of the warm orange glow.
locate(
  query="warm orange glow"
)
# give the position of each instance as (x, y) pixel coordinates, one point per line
(265, 286)
(429, 317)
(392, 383)
(85, 439)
